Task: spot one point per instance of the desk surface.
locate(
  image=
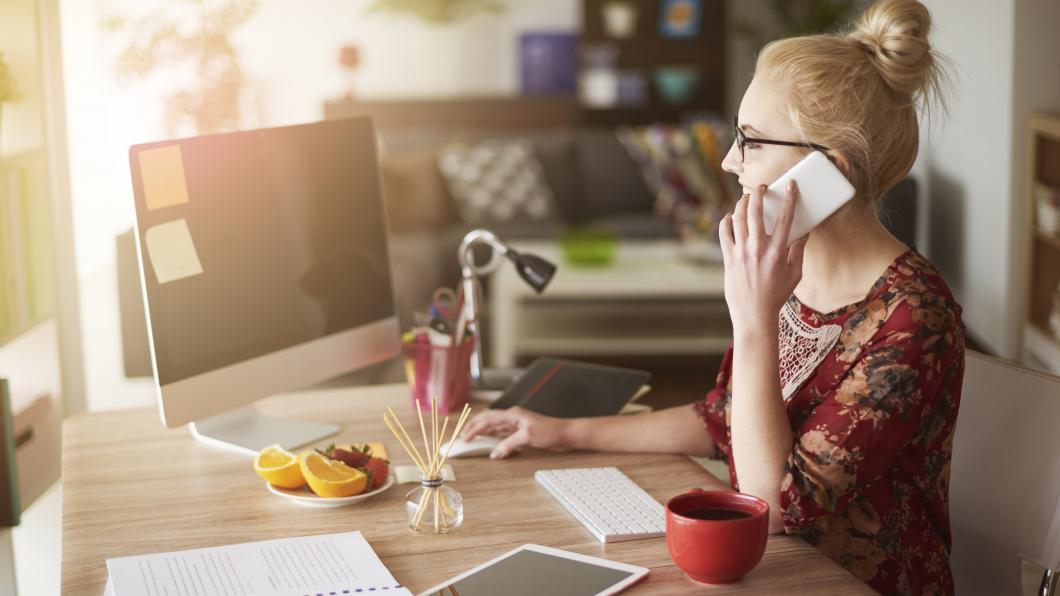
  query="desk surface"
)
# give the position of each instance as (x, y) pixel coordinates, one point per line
(132, 487)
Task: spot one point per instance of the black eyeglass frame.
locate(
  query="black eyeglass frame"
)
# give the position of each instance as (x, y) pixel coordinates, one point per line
(742, 139)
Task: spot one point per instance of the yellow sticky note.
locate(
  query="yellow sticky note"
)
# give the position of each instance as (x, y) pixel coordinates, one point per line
(172, 251)
(162, 170)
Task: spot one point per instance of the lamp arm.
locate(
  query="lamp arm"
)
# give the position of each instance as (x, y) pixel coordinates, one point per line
(467, 259)
(470, 272)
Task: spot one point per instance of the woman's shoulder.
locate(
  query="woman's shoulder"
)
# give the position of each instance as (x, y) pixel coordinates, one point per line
(912, 303)
(919, 296)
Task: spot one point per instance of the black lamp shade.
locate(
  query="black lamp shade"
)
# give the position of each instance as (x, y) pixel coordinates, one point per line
(533, 269)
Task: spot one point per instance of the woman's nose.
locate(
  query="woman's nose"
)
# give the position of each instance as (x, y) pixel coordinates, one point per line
(731, 163)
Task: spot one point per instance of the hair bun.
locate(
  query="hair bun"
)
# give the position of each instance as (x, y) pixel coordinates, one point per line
(894, 33)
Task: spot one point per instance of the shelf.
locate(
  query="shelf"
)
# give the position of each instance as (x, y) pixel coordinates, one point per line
(1053, 241)
(1042, 346)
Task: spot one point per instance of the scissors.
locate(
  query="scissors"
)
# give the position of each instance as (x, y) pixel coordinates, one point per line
(444, 306)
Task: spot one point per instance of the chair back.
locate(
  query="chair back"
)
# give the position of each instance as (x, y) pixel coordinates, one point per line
(1005, 475)
(10, 504)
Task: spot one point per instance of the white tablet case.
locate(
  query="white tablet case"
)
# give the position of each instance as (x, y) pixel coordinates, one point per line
(637, 573)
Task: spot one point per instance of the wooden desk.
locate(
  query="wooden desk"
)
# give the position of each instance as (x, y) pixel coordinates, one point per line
(132, 487)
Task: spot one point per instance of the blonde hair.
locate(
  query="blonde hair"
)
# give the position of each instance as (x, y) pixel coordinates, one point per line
(857, 92)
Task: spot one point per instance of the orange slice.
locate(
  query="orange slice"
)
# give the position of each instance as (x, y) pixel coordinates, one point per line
(330, 478)
(279, 467)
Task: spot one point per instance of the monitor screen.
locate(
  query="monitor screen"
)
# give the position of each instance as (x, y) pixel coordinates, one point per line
(258, 241)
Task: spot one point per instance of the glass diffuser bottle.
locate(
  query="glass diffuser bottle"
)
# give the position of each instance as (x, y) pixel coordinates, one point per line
(434, 506)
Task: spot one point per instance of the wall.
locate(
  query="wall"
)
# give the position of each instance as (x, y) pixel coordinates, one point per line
(975, 159)
(294, 68)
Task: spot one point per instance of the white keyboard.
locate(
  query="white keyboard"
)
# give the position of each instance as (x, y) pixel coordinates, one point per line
(606, 502)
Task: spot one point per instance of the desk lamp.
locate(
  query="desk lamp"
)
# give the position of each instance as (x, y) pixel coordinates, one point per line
(534, 270)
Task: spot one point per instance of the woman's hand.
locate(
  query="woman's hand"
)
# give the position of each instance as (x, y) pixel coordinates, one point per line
(761, 271)
(520, 427)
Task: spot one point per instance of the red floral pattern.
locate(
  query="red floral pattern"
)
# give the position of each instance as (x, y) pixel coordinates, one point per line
(868, 476)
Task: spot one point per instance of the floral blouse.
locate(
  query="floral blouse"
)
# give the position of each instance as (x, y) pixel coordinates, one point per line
(868, 475)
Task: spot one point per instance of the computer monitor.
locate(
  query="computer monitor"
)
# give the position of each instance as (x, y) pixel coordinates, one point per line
(265, 268)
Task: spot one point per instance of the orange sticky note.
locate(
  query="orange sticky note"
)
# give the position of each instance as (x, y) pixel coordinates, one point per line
(162, 170)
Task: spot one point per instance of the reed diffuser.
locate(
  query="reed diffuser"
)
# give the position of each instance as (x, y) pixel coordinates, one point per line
(432, 500)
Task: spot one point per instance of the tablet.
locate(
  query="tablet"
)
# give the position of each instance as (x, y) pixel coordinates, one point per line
(532, 569)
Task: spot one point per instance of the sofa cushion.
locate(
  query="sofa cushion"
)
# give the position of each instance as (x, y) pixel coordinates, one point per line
(497, 181)
(609, 180)
(557, 152)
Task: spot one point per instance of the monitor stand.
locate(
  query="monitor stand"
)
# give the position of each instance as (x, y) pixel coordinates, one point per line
(497, 378)
(247, 431)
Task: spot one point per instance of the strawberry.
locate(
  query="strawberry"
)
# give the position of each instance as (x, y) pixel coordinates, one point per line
(352, 457)
(378, 469)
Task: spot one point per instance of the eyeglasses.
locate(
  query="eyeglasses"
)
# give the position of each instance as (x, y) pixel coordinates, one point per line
(742, 140)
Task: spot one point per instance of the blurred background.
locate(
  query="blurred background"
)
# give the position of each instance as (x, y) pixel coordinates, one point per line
(606, 117)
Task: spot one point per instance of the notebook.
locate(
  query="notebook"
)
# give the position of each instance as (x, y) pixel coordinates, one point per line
(308, 565)
(570, 389)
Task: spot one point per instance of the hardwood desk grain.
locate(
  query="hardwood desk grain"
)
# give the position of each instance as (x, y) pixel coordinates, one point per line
(132, 487)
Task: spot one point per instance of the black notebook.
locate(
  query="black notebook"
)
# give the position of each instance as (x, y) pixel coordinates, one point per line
(569, 389)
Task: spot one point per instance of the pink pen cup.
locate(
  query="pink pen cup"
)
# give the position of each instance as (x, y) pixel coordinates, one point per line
(440, 372)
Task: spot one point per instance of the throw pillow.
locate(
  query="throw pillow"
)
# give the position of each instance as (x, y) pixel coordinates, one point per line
(496, 181)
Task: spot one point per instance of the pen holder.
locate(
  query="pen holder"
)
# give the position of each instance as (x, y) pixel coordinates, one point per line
(433, 506)
(441, 372)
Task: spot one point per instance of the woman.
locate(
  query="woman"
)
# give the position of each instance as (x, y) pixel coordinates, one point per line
(843, 420)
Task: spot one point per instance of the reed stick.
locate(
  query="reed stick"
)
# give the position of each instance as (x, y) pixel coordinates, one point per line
(409, 450)
(407, 437)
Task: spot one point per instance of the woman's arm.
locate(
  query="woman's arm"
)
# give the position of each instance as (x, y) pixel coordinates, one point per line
(761, 272)
(673, 430)
(761, 433)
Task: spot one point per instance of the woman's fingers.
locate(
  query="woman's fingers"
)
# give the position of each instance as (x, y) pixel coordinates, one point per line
(787, 215)
(489, 422)
(511, 444)
(756, 231)
(739, 223)
(725, 236)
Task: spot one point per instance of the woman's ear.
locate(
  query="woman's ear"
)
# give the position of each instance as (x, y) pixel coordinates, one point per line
(840, 162)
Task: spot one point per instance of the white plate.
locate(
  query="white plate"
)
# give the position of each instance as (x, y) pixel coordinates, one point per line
(307, 498)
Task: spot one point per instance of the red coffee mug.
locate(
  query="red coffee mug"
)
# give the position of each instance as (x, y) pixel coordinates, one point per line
(716, 537)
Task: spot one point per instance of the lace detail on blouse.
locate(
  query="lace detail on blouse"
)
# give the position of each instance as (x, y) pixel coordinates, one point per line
(802, 348)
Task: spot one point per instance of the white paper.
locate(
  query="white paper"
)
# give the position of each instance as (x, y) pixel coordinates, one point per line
(329, 563)
(172, 251)
(411, 473)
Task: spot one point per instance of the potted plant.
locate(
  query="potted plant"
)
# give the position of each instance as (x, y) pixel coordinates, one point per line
(9, 91)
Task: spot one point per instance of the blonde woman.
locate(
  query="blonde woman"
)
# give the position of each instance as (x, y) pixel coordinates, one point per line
(843, 420)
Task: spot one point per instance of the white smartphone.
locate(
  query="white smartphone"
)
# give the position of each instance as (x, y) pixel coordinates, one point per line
(822, 190)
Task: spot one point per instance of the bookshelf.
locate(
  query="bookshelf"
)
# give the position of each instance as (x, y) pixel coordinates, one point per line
(647, 49)
(1041, 346)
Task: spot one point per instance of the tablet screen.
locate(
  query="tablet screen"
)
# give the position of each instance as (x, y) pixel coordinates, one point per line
(531, 573)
